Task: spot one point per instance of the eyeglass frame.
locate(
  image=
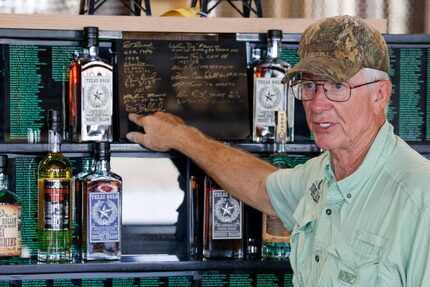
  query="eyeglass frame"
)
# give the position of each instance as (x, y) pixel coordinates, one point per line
(322, 82)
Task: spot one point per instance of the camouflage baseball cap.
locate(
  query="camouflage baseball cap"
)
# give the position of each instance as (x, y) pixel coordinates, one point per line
(338, 47)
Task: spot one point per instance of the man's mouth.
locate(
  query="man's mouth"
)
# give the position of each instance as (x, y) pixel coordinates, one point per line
(324, 125)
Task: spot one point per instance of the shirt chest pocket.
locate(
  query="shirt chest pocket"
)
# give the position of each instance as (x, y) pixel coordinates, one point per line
(355, 263)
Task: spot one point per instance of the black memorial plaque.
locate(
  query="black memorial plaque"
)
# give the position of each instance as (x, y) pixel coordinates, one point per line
(203, 82)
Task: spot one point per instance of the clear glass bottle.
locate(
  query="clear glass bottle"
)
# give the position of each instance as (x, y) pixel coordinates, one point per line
(275, 237)
(55, 199)
(270, 94)
(223, 223)
(96, 98)
(87, 168)
(102, 209)
(10, 218)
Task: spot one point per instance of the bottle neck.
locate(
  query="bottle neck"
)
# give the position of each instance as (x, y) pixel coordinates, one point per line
(281, 131)
(102, 165)
(93, 51)
(4, 182)
(54, 141)
(274, 48)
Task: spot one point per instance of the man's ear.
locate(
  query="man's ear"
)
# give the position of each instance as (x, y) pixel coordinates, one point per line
(382, 94)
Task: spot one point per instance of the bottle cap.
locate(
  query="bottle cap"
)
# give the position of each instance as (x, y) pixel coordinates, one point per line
(275, 34)
(91, 35)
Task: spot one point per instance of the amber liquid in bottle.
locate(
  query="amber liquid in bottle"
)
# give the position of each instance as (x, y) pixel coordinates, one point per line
(223, 224)
(102, 210)
(74, 100)
(55, 199)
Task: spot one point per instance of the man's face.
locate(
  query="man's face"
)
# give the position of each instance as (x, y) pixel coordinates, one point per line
(343, 125)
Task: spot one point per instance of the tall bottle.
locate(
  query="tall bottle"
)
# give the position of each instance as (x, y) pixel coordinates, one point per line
(87, 168)
(55, 199)
(10, 218)
(275, 237)
(223, 223)
(269, 93)
(94, 105)
(73, 103)
(102, 214)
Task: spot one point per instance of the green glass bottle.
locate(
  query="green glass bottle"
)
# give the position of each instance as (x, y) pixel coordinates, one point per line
(275, 237)
(55, 199)
(10, 219)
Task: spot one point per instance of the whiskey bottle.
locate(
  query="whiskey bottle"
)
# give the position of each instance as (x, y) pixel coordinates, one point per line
(275, 237)
(270, 94)
(87, 168)
(102, 212)
(10, 219)
(55, 199)
(73, 108)
(223, 223)
(96, 94)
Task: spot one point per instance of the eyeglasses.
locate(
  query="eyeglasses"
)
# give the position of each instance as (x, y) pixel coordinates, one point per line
(305, 90)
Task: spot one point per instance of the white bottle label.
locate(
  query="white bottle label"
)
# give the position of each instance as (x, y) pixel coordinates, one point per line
(97, 94)
(270, 96)
(10, 230)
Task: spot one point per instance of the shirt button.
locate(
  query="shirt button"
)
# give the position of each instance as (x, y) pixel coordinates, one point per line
(317, 258)
(349, 195)
(328, 211)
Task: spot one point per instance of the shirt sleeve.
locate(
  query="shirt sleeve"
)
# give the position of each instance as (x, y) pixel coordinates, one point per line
(285, 188)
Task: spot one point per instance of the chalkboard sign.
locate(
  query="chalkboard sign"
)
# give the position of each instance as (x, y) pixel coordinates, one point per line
(202, 81)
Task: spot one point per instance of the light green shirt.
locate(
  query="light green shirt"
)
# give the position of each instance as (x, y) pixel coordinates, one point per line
(369, 229)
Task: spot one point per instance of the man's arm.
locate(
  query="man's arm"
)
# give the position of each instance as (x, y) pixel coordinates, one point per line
(242, 174)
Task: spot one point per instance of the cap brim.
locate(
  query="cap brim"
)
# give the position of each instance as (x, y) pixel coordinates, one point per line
(329, 68)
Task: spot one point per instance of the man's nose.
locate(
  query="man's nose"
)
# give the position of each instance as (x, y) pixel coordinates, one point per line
(320, 100)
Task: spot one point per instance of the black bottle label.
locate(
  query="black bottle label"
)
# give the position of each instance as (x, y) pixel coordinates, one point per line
(227, 219)
(57, 202)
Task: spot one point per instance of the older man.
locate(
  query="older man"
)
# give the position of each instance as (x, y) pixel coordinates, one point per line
(359, 212)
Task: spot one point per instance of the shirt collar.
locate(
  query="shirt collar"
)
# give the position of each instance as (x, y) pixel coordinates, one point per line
(380, 149)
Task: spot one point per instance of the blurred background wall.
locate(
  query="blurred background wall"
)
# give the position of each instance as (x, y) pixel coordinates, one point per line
(404, 16)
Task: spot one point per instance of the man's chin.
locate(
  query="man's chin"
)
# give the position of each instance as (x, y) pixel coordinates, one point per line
(325, 143)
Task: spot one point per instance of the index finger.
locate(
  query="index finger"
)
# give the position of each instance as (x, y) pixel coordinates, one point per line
(135, 118)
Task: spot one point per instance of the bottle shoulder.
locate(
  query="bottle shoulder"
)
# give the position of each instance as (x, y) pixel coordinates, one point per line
(281, 160)
(89, 62)
(102, 176)
(54, 160)
(269, 62)
(8, 197)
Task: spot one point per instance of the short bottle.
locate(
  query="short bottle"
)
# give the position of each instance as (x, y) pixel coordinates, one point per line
(55, 199)
(10, 219)
(223, 223)
(93, 106)
(270, 94)
(102, 209)
(275, 237)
